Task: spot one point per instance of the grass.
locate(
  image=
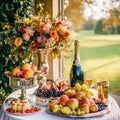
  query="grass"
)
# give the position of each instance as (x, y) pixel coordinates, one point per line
(100, 58)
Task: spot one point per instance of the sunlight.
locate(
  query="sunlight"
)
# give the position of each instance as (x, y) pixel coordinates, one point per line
(100, 9)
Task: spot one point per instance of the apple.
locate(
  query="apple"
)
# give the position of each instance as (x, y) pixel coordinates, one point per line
(77, 90)
(34, 68)
(63, 83)
(85, 108)
(84, 101)
(93, 108)
(94, 99)
(70, 92)
(56, 84)
(53, 102)
(53, 86)
(79, 95)
(73, 103)
(21, 74)
(63, 100)
(15, 71)
(26, 66)
(91, 101)
(63, 88)
(28, 73)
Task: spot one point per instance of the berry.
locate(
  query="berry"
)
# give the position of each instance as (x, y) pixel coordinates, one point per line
(101, 105)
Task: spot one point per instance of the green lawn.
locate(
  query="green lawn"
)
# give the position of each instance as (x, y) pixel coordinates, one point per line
(100, 58)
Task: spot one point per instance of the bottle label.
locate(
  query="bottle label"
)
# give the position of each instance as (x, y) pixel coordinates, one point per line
(77, 62)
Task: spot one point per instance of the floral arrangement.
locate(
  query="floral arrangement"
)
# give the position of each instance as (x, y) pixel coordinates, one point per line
(42, 33)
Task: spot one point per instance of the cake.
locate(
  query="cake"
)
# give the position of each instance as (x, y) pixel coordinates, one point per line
(19, 106)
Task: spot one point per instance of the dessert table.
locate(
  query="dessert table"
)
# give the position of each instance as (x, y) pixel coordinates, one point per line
(114, 114)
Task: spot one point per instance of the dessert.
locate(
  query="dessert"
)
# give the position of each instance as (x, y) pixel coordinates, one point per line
(22, 107)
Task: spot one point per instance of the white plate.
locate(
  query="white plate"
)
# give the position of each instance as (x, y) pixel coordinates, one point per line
(21, 114)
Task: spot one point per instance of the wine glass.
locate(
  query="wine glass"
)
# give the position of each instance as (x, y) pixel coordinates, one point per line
(88, 82)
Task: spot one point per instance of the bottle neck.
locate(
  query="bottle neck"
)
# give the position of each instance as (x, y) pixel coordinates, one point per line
(76, 52)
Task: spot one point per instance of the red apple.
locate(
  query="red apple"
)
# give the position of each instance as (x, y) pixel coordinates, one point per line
(63, 83)
(91, 101)
(93, 108)
(53, 86)
(21, 74)
(94, 99)
(73, 103)
(70, 92)
(85, 108)
(56, 84)
(79, 95)
(84, 101)
(34, 68)
(63, 88)
(63, 100)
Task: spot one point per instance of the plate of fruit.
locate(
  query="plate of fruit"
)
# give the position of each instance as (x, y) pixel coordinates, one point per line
(78, 102)
(52, 90)
(21, 108)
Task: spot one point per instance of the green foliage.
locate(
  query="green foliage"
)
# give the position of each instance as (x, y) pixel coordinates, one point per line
(98, 28)
(3, 94)
(10, 11)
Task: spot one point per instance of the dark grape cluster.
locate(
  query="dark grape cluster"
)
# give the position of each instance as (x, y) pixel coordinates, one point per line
(47, 93)
(101, 105)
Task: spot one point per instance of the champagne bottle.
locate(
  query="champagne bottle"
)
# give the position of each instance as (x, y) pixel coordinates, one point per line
(76, 73)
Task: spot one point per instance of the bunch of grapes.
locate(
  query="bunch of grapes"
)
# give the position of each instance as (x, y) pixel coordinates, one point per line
(47, 93)
(101, 105)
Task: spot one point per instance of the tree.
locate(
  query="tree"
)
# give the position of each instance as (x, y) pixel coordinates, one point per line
(109, 13)
(74, 14)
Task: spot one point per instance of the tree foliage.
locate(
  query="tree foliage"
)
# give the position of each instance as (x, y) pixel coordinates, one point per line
(74, 13)
(108, 14)
(10, 10)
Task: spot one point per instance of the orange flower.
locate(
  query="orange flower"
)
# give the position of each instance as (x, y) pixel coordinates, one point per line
(65, 34)
(18, 41)
(57, 38)
(54, 34)
(40, 28)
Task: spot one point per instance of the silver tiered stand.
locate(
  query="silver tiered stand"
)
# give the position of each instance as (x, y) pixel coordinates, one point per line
(22, 83)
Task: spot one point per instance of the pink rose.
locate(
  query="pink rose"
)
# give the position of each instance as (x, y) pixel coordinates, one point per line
(47, 28)
(26, 37)
(28, 31)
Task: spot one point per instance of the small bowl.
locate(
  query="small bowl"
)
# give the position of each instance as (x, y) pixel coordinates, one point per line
(42, 101)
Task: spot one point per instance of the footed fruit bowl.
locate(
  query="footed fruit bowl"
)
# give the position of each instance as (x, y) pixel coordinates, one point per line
(19, 83)
(22, 83)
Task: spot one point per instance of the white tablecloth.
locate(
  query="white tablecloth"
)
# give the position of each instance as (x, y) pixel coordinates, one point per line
(43, 115)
